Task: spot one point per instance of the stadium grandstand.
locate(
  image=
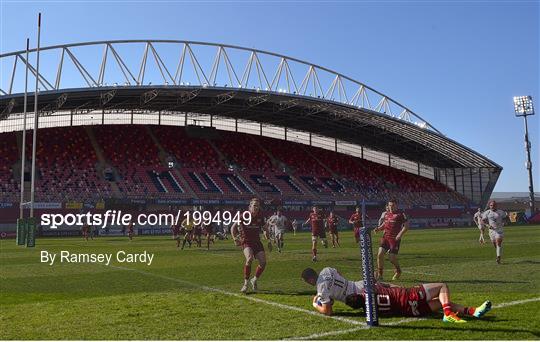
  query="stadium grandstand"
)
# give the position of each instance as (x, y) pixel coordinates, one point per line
(211, 124)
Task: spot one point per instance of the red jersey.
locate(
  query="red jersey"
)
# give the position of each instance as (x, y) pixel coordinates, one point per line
(357, 219)
(332, 222)
(317, 222)
(393, 222)
(251, 233)
(402, 301)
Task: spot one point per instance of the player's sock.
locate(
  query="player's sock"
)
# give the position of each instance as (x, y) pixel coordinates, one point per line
(498, 248)
(447, 309)
(468, 310)
(258, 271)
(247, 272)
(314, 252)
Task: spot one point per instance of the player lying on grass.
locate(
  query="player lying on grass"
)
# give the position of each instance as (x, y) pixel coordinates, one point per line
(420, 300)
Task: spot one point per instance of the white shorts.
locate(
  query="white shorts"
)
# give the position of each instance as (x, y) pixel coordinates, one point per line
(279, 233)
(494, 234)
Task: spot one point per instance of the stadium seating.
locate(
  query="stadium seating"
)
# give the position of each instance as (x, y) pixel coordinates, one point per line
(66, 164)
(230, 165)
(242, 150)
(189, 152)
(9, 155)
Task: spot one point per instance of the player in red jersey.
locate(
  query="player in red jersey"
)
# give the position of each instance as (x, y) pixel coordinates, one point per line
(316, 218)
(130, 230)
(416, 301)
(394, 224)
(85, 230)
(197, 234)
(209, 233)
(331, 224)
(175, 229)
(356, 221)
(248, 236)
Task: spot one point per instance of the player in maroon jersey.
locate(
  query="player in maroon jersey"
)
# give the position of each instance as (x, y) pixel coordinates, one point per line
(197, 234)
(248, 236)
(394, 224)
(331, 224)
(175, 229)
(85, 230)
(316, 218)
(356, 221)
(130, 230)
(416, 301)
(209, 233)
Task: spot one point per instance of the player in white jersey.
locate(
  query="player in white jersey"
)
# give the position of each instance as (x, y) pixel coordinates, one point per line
(421, 300)
(278, 222)
(331, 286)
(477, 218)
(294, 225)
(493, 218)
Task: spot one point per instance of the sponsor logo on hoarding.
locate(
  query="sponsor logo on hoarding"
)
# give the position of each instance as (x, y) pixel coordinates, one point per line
(345, 203)
(74, 205)
(47, 205)
(439, 206)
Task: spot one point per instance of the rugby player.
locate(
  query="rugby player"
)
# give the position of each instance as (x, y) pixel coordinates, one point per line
(316, 218)
(493, 218)
(277, 223)
(356, 221)
(294, 224)
(331, 224)
(248, 236)
(394, 224)
(187, 231)
(209, 232)
(130, 230)
(477, 218)
(176, 234)
(416, 301)
(197, 234)
(85, 231)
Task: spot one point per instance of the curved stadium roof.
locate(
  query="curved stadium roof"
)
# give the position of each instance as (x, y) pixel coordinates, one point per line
(227, 81)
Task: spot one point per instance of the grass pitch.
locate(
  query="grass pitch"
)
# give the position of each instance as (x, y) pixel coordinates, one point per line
(194, 293)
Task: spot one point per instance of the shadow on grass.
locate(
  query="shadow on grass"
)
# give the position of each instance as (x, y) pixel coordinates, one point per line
(526, 262)
(473, 281)
(465, 327)
(284, 293)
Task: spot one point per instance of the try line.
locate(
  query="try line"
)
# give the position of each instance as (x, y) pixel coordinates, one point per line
(407, 320)
(359, 325)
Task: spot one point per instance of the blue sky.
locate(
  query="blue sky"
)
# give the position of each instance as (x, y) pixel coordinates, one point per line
(456, 63)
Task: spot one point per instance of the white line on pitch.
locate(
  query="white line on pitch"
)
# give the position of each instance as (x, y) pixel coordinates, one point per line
(422, 273)
(242, 296)
(516, 302)
(345, 331)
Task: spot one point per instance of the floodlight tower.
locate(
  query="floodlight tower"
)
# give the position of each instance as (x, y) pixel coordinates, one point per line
(523, 106)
